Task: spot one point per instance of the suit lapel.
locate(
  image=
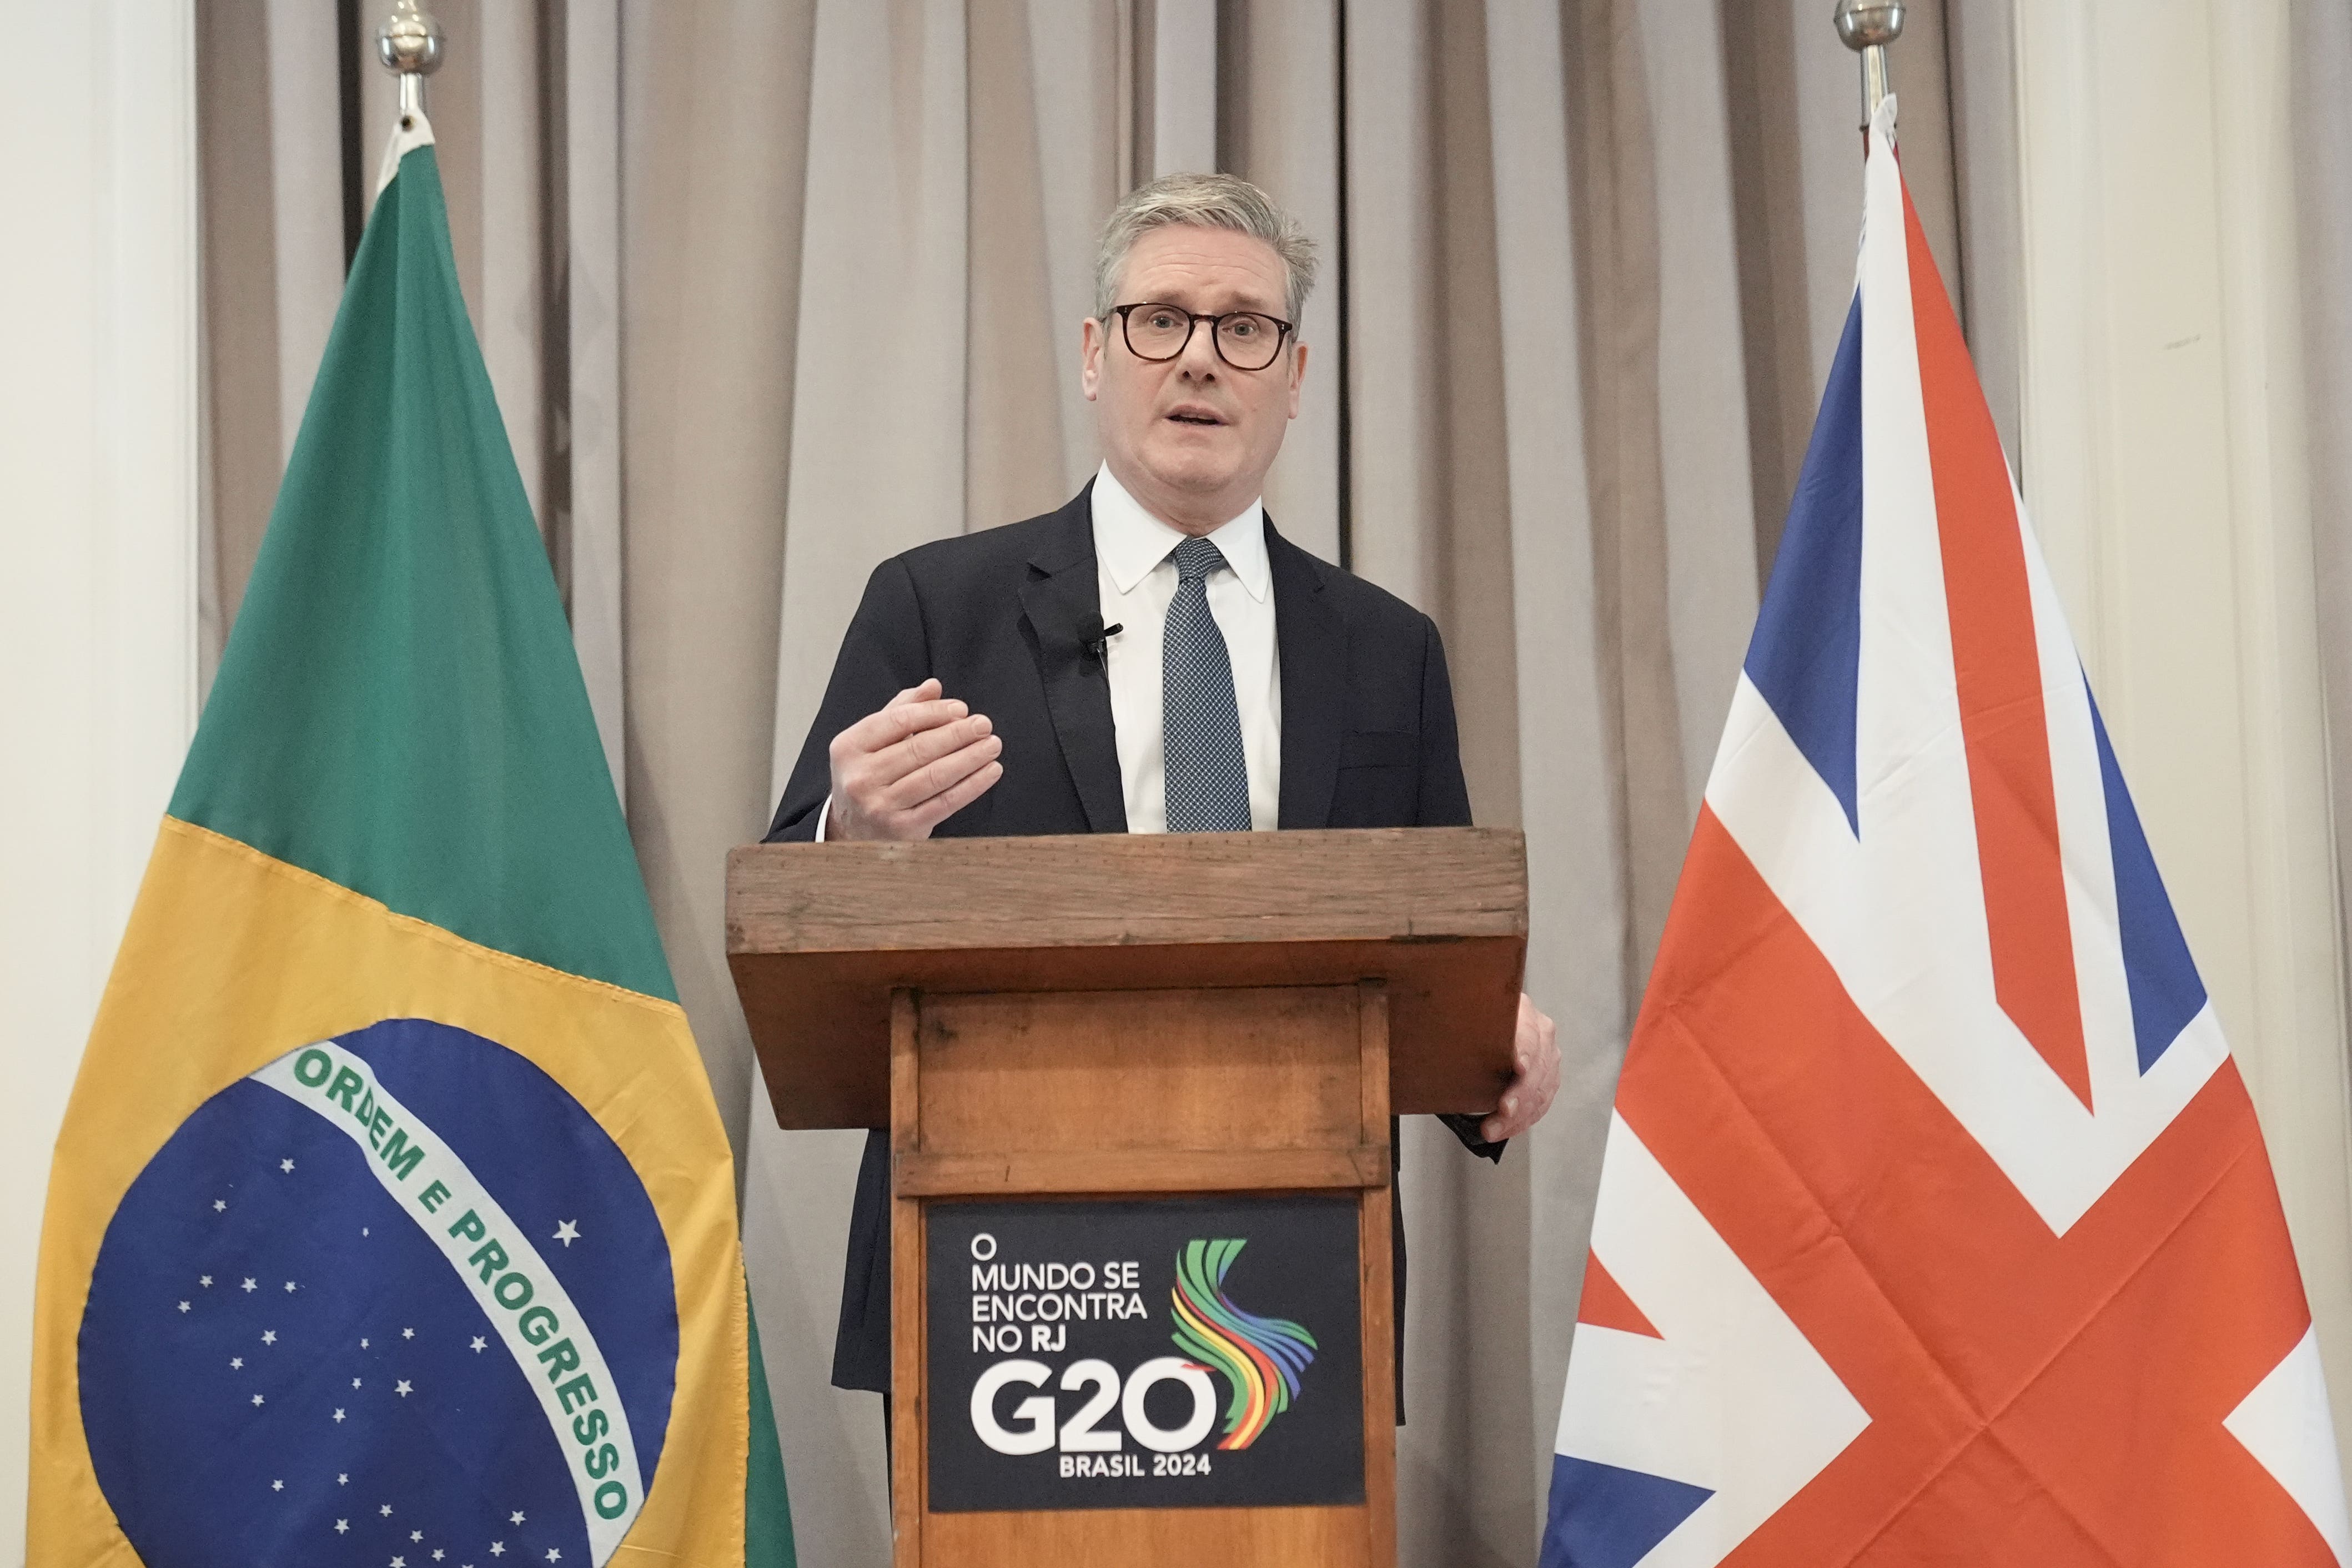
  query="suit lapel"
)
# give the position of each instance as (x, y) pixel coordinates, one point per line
(1061, 603)
(1312, 644)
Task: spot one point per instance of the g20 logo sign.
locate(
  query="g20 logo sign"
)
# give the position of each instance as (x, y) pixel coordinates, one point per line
(1035, 1425)
(1260, 1358)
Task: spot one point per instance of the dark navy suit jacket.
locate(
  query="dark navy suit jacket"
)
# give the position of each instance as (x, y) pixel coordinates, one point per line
(1008, 619)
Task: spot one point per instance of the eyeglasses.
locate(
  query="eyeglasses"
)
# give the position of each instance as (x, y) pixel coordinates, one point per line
(1244, 340)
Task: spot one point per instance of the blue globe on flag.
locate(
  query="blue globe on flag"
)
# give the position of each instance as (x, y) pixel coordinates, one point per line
(394, 1299)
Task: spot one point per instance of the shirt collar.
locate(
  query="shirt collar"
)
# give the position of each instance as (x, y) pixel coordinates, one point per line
(1129, 541)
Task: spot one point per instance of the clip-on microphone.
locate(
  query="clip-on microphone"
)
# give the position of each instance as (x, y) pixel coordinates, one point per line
(1099, 644)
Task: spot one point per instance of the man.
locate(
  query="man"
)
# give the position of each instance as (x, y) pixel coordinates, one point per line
(1153, 657)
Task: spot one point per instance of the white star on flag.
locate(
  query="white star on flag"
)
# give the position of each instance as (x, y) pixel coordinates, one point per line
(248, 1287)
(408, 1334)
(497, 1549)
(256, 1399)
(385, 1510)
(218, 1205)
(416, 1535)
(355, 1383)
(480, 1345)
(363, 1345)
(290, 1284)
(269, 1336)
(205, 1280)
(342, 1527)
(183, 1306)
(286, 1165)
(339, 1414)
(343, 1479)
(568, 1232)
(514, 1518)
(553, 1554)
(399, 1562)
(278, 1486)
(400, 1388)
(236, 1363)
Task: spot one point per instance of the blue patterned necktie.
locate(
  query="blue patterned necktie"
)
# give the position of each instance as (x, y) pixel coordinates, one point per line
(1208, 772)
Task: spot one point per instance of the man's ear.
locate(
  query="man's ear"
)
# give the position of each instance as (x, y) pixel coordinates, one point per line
(1298, 375)
(1091, 341)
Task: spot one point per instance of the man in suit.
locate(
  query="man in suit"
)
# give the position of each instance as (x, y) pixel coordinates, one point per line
(1151, 657)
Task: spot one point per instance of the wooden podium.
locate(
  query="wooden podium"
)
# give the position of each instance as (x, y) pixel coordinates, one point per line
(1163, 1066)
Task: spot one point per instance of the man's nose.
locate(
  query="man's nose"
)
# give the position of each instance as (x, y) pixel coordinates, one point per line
(1200, 356)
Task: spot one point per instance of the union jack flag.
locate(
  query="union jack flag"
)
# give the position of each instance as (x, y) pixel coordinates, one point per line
(1934, 1226)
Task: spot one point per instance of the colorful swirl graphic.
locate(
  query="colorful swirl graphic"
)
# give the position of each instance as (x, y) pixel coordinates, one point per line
(1261, 1357)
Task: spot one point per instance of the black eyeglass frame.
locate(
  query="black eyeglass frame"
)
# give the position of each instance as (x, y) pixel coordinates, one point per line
(1192, 325)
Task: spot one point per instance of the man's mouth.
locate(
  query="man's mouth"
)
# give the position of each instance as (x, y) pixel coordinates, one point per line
(1193, 413)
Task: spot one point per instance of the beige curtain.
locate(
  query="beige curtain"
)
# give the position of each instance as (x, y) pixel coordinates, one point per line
(2320, 113)
(1593, 255)
(2322, 109)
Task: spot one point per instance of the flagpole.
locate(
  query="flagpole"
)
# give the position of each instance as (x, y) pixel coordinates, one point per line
(409, 43)
(1868, 26)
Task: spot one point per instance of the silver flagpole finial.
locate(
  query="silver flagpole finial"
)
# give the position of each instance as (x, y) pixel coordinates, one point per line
(1868, 26)
(409, 43)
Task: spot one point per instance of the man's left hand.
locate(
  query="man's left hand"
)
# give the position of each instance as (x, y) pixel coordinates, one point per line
(1536, 1057)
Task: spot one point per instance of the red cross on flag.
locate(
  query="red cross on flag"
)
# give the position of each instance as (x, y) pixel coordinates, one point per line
(1935, 1225)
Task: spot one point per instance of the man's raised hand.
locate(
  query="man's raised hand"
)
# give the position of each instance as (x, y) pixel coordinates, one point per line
(900, 773)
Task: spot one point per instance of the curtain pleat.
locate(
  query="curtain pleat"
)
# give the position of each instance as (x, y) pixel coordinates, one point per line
(2322, 116)
(884, 333)
(2319, 111)
(1279, 125)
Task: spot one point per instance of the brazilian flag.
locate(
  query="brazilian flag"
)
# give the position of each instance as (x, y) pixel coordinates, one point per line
(392, 1221)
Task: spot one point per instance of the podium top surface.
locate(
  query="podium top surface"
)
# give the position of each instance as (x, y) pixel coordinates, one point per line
(819, 934)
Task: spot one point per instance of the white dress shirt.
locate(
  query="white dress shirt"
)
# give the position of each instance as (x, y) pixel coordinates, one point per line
(1132, 551)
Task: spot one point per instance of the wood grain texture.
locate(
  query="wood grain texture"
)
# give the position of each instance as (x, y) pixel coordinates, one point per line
(1119, 890)
(1027, 1173)
(1153, 1538)
(1377, 1262)
(1114, 1071)
(907, 1380)
(818, 934)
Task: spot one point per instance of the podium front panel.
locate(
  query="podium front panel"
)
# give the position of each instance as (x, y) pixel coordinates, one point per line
(1141, 1278)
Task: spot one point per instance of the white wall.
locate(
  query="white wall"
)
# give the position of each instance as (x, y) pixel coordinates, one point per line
(2165, 466)
(98, 559)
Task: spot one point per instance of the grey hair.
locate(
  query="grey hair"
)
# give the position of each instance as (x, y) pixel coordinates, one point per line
(1203, 201)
